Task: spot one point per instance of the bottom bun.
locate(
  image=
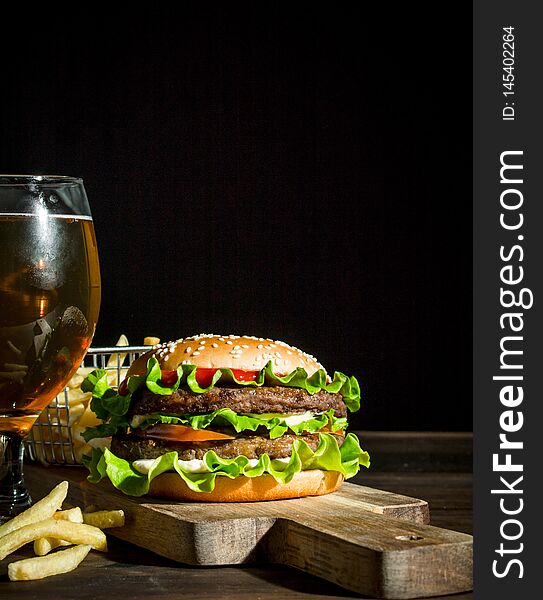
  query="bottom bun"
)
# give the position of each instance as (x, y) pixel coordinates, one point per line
(249, 489)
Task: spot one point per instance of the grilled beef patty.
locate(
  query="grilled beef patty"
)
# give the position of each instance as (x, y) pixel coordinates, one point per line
(258, 400)
(133, 447)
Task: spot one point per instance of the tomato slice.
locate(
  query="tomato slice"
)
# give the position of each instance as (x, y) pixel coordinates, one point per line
(168, 378)
(242, 375)
(328, 429)
(182, 433)
(204, 376)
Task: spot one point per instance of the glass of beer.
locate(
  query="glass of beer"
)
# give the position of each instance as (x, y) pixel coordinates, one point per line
(49, 303)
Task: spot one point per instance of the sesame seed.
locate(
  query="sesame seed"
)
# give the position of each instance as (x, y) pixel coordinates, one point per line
(236, 347)
(229, 342)
(244, 346)
(214, 345)
(188, 350)
(195, 353)
(260, 346)
(201, 347)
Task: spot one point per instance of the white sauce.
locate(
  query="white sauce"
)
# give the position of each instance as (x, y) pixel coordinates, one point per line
(289, 419)
(297, 419)
(191, 466)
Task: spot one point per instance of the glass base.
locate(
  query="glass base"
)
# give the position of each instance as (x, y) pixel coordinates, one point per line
(14, 497)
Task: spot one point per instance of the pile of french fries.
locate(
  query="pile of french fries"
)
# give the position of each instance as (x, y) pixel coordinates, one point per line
(49, 527)
(57, 431)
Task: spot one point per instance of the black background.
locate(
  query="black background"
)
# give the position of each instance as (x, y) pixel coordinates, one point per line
(287, 171)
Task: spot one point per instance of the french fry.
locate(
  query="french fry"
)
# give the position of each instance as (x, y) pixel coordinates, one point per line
(112, 377)
(62, 561)
(74, 515)
(43, 509)
(104, 518)
(76, 396)
(68, 417)
(112, 361)
(43, 546)
(88, 419)
(59, 528)
(76, 533)
(151, 341)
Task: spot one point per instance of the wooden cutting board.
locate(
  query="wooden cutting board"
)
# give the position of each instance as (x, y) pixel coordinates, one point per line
(369, 541)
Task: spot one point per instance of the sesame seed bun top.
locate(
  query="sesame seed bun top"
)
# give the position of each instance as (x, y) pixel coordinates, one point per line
(228, 351)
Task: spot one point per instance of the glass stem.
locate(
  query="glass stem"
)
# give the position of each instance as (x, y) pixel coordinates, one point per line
(14, 497)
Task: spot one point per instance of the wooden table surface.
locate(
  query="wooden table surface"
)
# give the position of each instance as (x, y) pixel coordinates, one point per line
(433, 466)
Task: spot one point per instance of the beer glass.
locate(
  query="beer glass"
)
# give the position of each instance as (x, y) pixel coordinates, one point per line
(49, 303)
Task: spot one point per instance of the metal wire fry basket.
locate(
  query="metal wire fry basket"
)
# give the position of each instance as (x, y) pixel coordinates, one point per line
(52, 440)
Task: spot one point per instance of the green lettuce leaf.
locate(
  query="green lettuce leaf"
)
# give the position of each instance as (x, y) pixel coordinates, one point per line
(225, 416)
(328, 456)
(96, 382)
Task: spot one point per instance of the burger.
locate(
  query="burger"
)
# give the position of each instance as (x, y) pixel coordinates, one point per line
(224, 419)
